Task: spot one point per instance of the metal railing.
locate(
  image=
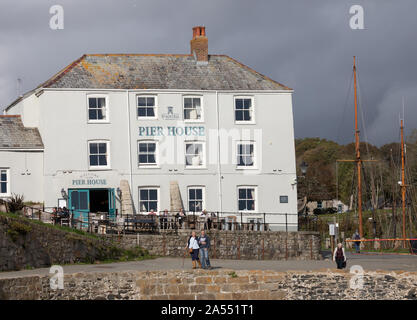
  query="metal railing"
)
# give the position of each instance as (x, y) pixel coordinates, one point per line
(212, 220)
(102, 223)
(383, 246)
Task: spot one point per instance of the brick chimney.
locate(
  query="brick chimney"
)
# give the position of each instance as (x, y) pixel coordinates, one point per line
(199, 44)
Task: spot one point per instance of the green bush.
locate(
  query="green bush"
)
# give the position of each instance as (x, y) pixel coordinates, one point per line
(17, 228)
(16, 203)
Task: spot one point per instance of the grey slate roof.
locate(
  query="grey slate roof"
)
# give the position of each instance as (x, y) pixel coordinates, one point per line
(13, 135)
(158, 71)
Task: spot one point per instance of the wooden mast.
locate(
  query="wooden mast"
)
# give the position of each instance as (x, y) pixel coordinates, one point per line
(358, 154)
(394, 216)
(403, 186)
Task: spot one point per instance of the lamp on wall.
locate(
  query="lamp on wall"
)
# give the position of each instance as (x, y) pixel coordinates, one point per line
(119, 192)
(64, 193)
(303, 168)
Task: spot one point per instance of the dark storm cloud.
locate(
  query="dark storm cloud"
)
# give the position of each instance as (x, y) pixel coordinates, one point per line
(306, 45)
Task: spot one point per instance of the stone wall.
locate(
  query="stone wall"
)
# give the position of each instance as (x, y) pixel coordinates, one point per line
(250, 245)
(212, 285)
(26, 244)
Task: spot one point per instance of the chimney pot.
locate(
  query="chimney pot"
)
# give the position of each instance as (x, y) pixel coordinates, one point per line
(199, 44)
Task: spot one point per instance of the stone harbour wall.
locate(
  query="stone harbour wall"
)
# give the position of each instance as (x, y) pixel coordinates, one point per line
(215, 285)
(26, 244)
(249, 245)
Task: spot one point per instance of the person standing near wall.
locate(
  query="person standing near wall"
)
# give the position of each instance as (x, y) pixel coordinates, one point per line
(180, 216)
(357, 244)
(339, 256)
(204, 243)
(194, 249)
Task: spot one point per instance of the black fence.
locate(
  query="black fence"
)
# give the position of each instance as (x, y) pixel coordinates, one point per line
(102, 223)
(210, 220)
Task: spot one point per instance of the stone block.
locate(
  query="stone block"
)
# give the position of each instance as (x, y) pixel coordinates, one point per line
(203, 280)
(259, 295)
(244, 279)
(213, 288)
(218, 280)
(171, 289)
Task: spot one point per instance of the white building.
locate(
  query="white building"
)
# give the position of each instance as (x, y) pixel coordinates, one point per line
(147, 122)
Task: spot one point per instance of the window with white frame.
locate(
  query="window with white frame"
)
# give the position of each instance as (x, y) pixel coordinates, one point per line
(99, 154)
(244, 111)
(196, 199)
(283, 199)
(194, 154)
(4, 182)
(148, 199)
(245, 154)
(247, 198)
(147, 153)
(97, 109)
(147, 107)
(193, 110)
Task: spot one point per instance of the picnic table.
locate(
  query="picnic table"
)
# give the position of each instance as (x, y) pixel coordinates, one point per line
(140, 222)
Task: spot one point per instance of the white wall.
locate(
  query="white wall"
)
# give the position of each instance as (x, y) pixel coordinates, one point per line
(62, 119)
(25, 173)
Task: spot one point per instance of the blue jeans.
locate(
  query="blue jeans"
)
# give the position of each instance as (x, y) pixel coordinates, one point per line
(204, 258)
(194, 255)
(357, 246)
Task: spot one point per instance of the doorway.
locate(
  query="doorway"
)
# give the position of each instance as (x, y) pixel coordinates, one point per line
(85, 201)
(99, 201)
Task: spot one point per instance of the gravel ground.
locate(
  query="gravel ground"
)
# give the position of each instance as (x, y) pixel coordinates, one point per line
(368, 263)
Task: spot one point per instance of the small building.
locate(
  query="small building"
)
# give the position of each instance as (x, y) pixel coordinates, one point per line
(21, 159)
(338, 205)
(132, 133)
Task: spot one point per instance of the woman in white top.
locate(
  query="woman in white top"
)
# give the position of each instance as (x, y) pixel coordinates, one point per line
(339, 256)
(194, 249)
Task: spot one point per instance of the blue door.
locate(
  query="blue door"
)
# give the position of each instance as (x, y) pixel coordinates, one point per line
(112, 205)
(79, 203)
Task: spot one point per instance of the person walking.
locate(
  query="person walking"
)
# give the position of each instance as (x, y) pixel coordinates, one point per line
(339, 256)
(204, 243)
(193, 249)
(357, 244)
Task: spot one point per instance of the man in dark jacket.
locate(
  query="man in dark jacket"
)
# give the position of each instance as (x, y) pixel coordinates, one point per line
(357, 244)
(204, 243)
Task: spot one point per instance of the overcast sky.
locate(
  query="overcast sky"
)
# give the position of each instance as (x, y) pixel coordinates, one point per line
(304, 44)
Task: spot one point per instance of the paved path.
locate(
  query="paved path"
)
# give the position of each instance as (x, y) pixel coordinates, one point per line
(368, 262)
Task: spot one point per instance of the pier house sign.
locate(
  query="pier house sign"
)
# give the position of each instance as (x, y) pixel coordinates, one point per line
(172, 131)
(89, 180)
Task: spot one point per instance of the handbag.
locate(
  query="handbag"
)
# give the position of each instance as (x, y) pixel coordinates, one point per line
(344, 264)
(190, 250)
